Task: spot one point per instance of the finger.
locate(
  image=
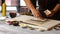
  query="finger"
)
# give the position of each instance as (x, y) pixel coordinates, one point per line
(37, 16)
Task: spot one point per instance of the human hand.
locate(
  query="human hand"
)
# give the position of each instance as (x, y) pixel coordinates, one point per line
(52, 13)
(37, 14)
(47, 12)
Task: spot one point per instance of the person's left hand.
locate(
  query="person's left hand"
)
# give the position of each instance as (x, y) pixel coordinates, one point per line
(47, 12)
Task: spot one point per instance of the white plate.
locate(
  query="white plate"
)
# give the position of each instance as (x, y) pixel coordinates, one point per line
(2, 18)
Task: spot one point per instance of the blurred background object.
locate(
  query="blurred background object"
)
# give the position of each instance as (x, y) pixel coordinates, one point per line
(17, 5)
(3, 8)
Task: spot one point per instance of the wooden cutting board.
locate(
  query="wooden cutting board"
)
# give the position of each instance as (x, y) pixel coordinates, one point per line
(44, 25)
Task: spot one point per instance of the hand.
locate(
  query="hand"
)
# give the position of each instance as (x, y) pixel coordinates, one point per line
(47, 12)
(37, 14)
(52, 13)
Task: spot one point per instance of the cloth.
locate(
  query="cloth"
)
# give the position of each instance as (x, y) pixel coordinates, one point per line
(49, 4)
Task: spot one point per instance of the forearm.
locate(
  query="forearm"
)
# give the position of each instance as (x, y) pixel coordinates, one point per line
(56, 8)
(30, 5)
(34, 11)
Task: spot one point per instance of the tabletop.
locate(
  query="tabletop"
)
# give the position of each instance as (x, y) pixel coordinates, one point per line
(10, 29)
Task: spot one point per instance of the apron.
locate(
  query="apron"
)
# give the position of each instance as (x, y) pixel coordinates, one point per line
(48, 4)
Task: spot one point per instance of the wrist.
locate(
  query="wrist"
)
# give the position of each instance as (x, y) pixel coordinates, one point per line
(52, 13)
(33, 9)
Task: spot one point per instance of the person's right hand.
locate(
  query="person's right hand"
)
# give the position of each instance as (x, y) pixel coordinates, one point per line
(37, 14)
